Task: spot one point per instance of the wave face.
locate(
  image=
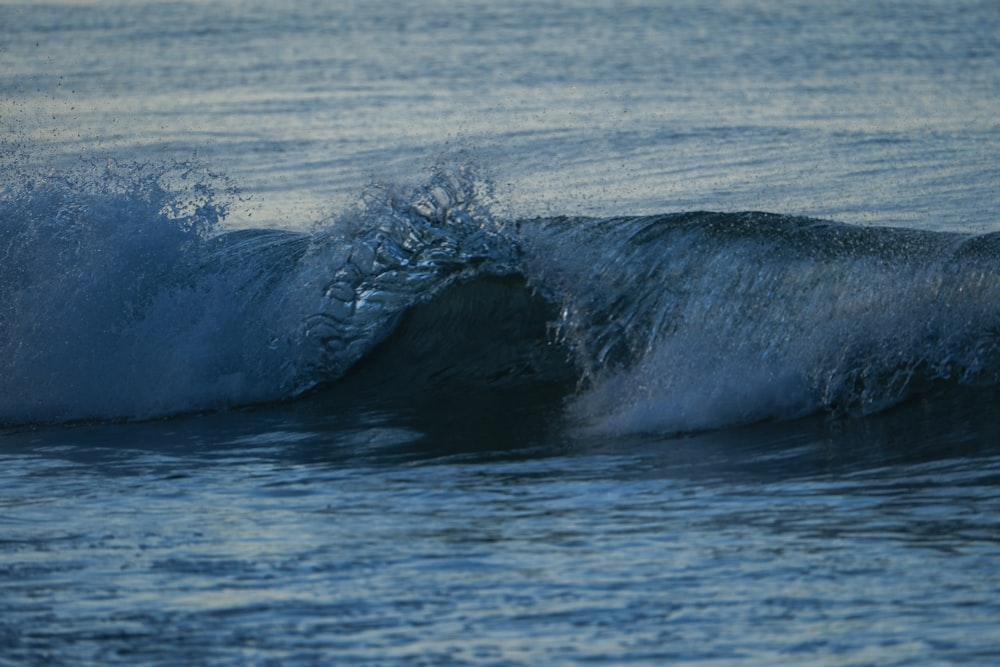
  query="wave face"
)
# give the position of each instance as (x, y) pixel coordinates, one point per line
(122, 298)
(694, 320)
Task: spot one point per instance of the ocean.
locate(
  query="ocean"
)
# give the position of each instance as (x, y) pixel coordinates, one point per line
(469, 333)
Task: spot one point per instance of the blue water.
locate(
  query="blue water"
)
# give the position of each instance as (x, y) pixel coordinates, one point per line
(523, 334)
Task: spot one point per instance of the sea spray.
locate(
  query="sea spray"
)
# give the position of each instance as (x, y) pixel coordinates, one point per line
(122, 298)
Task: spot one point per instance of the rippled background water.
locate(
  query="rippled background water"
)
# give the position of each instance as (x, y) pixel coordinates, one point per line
(877, 112)
(493, 532)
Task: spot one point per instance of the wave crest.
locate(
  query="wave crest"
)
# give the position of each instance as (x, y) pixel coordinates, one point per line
(403, 249)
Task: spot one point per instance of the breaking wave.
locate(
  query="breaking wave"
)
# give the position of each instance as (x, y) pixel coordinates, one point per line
(123, 296)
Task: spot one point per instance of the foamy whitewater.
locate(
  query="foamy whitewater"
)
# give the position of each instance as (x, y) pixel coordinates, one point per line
(427, 333)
